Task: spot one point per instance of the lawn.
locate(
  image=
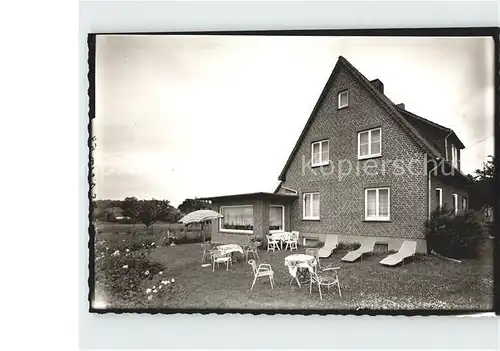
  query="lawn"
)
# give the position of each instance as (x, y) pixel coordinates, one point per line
(427, 283)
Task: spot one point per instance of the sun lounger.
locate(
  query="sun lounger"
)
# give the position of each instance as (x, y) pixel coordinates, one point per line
(407, 249)
(366, 247)
(331, 243)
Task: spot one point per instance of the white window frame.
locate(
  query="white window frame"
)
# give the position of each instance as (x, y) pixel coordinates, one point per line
(310, 218)
(466, 203)
(346, 92)
(454, 156)
(377, 205)
(321, 161)
(440, 197)
(283, 219)
(455, 203)
(370, 155)
(234, 230)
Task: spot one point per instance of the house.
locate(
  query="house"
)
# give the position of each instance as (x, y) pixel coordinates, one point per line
(112, 214)
(362, 168)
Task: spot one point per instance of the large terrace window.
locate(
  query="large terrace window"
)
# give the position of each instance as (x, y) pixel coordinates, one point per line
(237, 219)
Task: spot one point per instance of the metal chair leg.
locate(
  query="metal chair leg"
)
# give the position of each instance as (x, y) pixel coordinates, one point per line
(254, 279)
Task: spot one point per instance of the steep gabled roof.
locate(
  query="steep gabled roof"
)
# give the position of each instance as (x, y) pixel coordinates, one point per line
(384, 102)
(428, 127)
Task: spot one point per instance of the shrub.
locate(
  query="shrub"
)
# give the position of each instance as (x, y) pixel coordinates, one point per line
(456, 236)
(123, 283)
(349, 246)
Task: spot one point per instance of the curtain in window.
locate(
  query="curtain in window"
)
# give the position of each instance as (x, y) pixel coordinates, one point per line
(307, 205)
(324, 151)
(363, 144)
(383, 198)
(371, 203)
(311, 205)
(275, 218)
(315, 153)
(315, 205)
(375, 141)
(239, 218)
(343, 97)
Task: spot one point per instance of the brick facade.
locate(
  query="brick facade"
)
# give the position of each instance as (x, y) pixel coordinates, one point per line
(342, 202)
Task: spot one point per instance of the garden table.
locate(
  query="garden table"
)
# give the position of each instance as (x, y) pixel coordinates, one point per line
(281, 237)
(297, 261)
(230, 248)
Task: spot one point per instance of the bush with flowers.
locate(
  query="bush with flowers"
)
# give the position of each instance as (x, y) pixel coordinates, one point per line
(121, 269)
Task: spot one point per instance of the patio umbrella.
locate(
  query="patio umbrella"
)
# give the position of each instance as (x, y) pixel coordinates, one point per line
(200, 216)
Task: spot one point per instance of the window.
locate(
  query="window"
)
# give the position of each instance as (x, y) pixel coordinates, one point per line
(455, 203)
(464, 204)
(310, 206)
(320, 153)
(236, 219)
(439, 198)
(370, 143)
(454, 156)
(276, 218)
(377, 204)
(343, 99)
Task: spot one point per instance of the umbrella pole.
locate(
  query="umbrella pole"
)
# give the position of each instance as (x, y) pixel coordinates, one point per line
(202, 234)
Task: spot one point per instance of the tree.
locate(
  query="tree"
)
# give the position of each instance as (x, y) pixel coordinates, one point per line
(190, 205)
(130, 207)
(488, 171)
(482, 192)
(150, 211)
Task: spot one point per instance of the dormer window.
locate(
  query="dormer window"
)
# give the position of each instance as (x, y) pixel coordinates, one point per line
(454, 156)
(343, 99)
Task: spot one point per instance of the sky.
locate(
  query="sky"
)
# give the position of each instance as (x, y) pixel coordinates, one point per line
(191, 116)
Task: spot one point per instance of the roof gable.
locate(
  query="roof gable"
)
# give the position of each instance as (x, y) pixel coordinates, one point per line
(384, 102)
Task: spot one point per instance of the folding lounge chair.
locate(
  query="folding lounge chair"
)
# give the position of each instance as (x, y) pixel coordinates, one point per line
(365, 248)
(331, 243)
(407, 249)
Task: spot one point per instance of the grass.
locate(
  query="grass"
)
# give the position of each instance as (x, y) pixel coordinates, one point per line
(427, 283)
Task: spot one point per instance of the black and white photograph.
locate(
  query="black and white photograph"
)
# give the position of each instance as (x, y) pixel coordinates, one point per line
(291, 173)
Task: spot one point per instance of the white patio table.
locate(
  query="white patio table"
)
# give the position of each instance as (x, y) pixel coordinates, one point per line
(230, 248)
(296, 261)
(282, 236)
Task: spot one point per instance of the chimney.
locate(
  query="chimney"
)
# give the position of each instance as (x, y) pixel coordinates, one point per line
(401, 106)
(377, 83)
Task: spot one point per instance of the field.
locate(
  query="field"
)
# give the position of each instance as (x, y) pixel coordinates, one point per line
(192, 231)
(428, 283)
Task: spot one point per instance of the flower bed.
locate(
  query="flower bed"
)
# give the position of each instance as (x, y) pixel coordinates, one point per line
(121, 268)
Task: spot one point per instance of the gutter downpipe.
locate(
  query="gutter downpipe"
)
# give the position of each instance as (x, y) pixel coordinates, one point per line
(429, 191)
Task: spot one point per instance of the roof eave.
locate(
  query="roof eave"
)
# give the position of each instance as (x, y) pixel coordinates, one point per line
(322, 96)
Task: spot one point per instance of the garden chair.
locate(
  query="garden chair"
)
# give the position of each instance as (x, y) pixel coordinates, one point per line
(264, 270)
(365, 248)
(292, 241)
(206, 248)
(314, 252)
(218, 257)
(331, 243)
(253, 249)
(327, 277)
(407, 249)
(272, 243)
